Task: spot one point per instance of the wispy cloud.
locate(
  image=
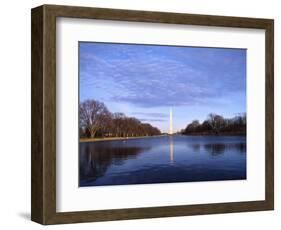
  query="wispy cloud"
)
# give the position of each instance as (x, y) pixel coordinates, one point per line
(151, 114)
(155, 76)
(152, 120)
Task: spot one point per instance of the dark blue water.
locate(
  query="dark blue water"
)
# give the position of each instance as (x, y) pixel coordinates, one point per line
(162, 160)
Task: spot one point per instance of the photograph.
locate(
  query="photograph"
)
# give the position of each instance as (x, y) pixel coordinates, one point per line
(161, 114)
(149, 114)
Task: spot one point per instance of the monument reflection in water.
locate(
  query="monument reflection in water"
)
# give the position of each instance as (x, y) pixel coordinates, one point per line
(164, 159)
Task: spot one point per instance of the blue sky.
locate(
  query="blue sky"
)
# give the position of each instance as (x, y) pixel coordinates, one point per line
(144, 81)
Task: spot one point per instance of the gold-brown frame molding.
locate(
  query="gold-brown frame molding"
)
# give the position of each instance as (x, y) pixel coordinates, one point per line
(43, 160)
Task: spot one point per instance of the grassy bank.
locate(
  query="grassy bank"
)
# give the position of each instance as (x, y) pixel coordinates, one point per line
(114, 138)
(215, 134)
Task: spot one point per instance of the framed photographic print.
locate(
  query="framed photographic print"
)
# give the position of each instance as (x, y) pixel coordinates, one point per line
(141, 114)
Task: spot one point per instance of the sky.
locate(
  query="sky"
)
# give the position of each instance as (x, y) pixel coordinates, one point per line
(145, 81)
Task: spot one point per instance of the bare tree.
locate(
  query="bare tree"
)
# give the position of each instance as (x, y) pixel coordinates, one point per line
(193, 126)
(95, 120)
(93, 115)
(118, 124)
(216, 122)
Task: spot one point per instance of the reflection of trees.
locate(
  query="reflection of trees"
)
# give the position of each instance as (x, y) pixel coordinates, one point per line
(95, 158)
(215, 149)
(218, 148)
(196, 147)
(241, 147)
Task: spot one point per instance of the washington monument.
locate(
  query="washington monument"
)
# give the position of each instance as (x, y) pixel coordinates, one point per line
(171, 122)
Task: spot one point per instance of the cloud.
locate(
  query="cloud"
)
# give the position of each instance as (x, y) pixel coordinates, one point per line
(151, 114)
(152, 120)
(155, 76)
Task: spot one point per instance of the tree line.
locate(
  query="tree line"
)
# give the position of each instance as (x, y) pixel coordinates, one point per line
(217, 125)
(95, 120)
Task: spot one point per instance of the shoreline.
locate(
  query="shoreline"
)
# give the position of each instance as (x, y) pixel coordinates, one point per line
(99, 139)
(212, 134)
(82, 140)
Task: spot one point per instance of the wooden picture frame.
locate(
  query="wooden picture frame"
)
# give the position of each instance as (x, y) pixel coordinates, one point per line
(43, 208)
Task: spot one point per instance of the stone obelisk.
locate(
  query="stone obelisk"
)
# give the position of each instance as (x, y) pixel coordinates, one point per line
(171, 122)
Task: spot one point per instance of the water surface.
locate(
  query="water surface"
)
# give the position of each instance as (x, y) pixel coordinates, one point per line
(162, 159)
